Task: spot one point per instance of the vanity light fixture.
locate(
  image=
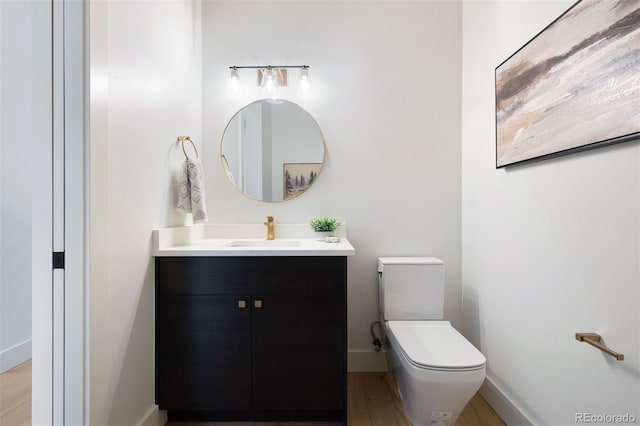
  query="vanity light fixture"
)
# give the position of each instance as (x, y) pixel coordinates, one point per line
(271, 77)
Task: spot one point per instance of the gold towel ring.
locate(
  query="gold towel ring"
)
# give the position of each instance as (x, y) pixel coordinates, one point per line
(181, 139)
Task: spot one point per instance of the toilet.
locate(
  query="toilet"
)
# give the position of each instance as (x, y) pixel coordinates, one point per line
(436, 370)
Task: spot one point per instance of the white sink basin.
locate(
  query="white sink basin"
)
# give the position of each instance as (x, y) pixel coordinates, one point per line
(263, 243)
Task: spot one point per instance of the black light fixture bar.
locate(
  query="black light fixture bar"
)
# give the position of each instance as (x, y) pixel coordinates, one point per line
(267, 66)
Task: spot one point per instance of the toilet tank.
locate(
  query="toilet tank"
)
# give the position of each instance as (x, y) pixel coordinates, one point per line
(411, 288)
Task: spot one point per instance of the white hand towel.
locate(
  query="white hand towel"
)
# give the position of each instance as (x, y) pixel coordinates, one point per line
(184, 190)
(191, 190)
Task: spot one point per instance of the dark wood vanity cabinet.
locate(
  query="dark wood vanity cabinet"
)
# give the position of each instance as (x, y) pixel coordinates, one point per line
(197, 338)
(251, 338)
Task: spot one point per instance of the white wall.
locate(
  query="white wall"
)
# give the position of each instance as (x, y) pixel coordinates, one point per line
(16, 109)
(549, 249)
(145, 91)
(385, 90)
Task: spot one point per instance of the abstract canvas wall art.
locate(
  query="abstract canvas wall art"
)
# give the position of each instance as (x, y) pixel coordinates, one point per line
(574, 86)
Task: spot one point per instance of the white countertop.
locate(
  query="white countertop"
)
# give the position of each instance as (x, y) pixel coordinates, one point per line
(219, 240)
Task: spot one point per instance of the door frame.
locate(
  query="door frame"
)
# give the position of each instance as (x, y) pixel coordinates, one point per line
(76, 211)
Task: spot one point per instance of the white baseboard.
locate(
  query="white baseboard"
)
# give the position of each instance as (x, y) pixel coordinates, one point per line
(503, 405)
(154, 417)
(364, 361)
(15, 355)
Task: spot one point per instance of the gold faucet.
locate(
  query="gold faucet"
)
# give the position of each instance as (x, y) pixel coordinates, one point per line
(269, 224)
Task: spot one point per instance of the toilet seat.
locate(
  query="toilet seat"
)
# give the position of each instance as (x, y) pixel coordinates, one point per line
(435, 345)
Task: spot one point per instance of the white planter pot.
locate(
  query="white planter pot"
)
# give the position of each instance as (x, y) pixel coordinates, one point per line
(323, 234)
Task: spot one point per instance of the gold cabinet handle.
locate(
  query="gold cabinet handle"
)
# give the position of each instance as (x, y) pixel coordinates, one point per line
(257, 303)
(242, 303)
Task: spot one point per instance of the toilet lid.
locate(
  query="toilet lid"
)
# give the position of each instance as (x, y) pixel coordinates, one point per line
(435, 344)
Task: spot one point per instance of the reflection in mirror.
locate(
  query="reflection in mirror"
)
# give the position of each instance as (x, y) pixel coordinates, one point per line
(272, 151)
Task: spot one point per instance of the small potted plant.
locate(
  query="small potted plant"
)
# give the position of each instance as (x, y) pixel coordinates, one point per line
(324, 226)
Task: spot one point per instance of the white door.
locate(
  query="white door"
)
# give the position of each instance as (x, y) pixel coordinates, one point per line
(59, 210)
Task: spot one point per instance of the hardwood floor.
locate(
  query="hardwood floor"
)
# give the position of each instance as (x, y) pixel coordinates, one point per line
(373, 401)
(15, 396)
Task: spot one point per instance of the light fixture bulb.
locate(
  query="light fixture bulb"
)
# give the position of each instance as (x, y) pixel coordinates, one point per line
(235, 75)
(234, 79)
(269, 83)
(271, 88)
(304, 79)
(267, 77)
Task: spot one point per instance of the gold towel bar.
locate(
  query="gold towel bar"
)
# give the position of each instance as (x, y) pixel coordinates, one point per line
(181, 139)
(594, 340)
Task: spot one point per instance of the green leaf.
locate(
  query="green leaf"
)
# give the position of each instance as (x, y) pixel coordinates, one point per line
(324, 224)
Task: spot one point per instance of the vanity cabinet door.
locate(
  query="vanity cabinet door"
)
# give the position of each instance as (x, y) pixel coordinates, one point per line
(203, 358)
(298, 356)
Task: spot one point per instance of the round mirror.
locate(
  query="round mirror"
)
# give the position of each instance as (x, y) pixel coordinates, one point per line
(272, 151)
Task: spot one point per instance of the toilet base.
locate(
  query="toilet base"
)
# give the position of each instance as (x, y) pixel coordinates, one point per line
(432, 397)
